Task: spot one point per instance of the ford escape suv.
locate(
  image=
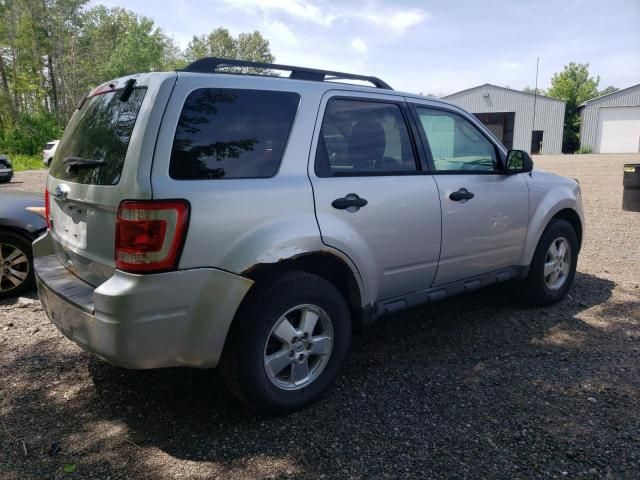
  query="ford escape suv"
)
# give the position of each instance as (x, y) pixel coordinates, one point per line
(211, 217)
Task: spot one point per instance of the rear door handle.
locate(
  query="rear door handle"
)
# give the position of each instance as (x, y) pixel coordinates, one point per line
(462, 194)
(350, 200)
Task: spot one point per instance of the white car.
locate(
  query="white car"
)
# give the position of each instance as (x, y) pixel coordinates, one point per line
(49, 151)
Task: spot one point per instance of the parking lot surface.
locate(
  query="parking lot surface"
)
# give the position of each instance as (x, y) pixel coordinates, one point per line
(476, 387)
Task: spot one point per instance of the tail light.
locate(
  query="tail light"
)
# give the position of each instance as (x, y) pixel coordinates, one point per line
(150, 235)
(47, 208)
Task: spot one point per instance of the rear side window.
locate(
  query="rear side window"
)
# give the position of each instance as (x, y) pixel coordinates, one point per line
(100, 131)
(232, 133)
(360, 137)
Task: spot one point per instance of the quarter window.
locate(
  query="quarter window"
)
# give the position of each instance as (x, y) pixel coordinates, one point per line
(232, 133)
(362, 137)
(455, 143)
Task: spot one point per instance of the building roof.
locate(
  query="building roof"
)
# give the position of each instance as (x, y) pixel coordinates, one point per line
(503, 88)
(609, 95)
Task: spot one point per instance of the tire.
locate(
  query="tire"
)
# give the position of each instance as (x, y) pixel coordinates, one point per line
(15, 256)
(541, 289)
(253, 339)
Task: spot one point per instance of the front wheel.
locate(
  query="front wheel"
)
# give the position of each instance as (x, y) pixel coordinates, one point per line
(288, 342)
(554, 264)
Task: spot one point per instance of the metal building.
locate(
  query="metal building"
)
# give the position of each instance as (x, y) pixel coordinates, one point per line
(611, 123)
(509, 114)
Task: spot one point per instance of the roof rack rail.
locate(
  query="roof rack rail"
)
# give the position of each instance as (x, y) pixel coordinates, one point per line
(211, 64)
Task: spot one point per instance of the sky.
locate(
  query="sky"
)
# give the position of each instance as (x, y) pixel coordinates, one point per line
(435, 47)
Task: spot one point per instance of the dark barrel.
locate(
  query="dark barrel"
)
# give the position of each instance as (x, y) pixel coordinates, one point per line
(631, 184)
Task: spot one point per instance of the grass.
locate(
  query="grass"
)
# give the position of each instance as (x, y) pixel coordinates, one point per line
(26, 162)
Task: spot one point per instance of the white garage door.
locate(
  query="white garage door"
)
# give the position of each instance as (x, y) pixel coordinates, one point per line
(619, 130)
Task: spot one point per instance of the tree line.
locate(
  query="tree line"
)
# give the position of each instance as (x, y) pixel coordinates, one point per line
(53, 51)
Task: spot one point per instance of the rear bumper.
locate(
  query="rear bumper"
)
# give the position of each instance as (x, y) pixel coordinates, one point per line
(142, 321)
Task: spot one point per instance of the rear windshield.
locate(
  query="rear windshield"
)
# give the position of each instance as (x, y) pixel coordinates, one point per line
(232, 133)
(48, 146)
(100, 131)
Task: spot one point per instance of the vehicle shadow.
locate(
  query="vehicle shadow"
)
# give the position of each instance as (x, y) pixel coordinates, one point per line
(479, 384)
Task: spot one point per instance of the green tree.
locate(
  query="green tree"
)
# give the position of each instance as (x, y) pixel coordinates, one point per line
(608, 90)
(53, 51)
(220, 43)
(532, 90)
(125, 42)
(575, 86)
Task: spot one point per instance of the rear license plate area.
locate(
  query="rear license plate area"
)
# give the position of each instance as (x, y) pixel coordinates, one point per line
(70, 225)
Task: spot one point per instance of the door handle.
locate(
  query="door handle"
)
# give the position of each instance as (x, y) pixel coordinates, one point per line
(462, 194)
(350, 200)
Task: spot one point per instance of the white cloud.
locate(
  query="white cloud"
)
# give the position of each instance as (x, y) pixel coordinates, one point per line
(280, 32)
(358, 45)
(321, 13)
(398, 20)
(301, 9)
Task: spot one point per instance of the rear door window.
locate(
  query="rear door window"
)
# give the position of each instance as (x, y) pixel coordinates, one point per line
(100, 130)
(232, 133)
(360, 137)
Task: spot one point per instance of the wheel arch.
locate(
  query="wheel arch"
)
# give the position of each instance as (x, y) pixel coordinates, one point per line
(328, 266)
(572, 217)
(566, 208)
(16, 230)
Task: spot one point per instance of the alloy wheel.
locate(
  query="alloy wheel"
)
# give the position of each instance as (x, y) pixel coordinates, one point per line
(14, 267)
(557, 263)
(298, 347)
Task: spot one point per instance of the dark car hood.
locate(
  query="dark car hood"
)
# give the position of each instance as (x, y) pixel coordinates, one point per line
(14, 215)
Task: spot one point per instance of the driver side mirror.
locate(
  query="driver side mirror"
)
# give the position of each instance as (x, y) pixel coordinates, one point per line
(518, 161)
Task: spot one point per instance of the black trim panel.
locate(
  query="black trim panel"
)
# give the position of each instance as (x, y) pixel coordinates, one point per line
(430, 295)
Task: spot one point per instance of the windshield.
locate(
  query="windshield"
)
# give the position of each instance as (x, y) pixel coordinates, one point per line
(99, 132)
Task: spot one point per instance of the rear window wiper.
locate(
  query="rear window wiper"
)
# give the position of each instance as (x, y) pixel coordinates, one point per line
(79, 162)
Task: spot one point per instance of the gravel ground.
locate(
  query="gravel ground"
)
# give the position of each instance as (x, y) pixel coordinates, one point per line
(27, 181)
(476, 387)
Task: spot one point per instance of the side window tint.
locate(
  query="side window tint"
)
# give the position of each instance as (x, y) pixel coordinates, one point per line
(232, 133)
(455, 143)
(360, 137)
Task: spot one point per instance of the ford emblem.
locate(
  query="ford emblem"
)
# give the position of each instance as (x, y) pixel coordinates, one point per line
(61, 191)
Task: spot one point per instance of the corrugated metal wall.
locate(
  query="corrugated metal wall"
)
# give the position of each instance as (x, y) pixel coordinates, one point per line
(629, 97)
(549, 114)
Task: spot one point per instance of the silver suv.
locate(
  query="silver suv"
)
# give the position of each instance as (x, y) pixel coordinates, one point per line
(206, 217)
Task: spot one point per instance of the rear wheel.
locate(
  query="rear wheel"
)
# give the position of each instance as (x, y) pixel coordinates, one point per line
(16, 265)
(554, 264)
(288, 342)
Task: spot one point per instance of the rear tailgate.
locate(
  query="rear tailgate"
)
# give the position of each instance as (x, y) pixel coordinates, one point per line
(104, 157)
